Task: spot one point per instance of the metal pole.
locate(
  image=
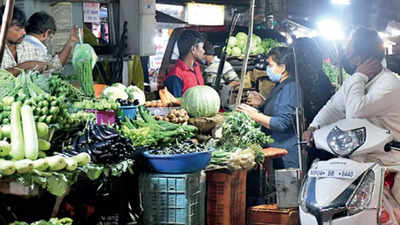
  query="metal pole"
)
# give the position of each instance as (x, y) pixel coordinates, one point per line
(7, 16)
(246, 58)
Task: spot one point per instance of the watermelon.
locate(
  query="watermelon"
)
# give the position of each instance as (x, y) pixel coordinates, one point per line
(201, 101)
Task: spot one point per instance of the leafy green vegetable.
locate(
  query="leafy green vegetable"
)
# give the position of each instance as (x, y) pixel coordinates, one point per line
(333, 72)
(240, 131)
(146, 131)
(41, 81)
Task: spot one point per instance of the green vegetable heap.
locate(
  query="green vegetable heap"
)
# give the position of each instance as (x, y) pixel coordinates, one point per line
(146, 131)
(237, 45)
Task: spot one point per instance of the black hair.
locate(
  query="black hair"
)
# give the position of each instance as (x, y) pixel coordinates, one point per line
(315, 84)
(18, 18)
(187, 40)
(40, 22)
(283, 55)
(366, 43)
(208, 48)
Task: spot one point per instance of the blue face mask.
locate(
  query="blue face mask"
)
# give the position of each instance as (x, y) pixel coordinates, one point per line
(273, 76)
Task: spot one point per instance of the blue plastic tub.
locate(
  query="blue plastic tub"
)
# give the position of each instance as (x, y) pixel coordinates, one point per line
(129, 111)
(179, 163)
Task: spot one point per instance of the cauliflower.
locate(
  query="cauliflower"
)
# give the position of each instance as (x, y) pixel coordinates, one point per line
(115, 93)
(136, 93)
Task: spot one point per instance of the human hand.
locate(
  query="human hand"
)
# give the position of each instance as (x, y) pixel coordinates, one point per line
(41, 66)
(74, 35)
(234, 84)
(246, 108)
(308, 136)
(254, 99)
(370, 68)
(250, 111)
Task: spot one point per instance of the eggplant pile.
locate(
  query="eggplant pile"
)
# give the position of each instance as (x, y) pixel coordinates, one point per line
(179, 148)
(101, 142)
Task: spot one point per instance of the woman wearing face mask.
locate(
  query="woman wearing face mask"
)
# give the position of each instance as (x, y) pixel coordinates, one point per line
(276, 114)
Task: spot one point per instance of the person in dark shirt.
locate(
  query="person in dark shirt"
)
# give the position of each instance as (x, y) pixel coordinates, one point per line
(277, 114)
(186, 73)
(318, 88)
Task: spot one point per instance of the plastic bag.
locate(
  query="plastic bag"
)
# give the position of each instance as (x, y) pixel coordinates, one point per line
(83, 53)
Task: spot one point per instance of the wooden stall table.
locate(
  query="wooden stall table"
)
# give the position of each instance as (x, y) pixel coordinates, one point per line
(270, 154)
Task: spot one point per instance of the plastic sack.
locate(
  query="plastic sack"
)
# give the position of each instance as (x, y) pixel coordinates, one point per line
(83, 53)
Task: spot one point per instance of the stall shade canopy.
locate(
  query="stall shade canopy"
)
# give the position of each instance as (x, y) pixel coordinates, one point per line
(165, 18)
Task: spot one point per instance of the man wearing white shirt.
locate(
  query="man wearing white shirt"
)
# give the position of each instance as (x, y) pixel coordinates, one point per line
(40, 29)
(372, 92)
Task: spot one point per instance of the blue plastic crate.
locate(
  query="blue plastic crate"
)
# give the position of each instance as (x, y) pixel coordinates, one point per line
(177, 199)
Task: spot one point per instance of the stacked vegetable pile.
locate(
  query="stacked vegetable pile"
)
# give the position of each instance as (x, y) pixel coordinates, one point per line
(179, 116)
(166, 100)
(25, 153)
(120, 92)
(237, 45)
(239, 143)
(104, 144)
(101, 104)
(52, 221)
(46, 108)
(179, 148)
(146, 131)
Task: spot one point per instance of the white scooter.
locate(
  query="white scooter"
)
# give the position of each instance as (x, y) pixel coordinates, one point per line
(344, 191)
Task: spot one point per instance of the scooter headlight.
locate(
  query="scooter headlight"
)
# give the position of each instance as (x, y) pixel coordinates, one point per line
(304, 194)
(363, 194)
(344, 143)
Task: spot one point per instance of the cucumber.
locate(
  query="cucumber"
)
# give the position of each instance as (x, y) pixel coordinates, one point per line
(56, 163)
(40, 164)
(5, 148)
(71, 164)
(82, 158)
(17, 139)
(24, 166)
(6, 131)
(7, 167)
(44, 145)
(42, 130)
(31, 140)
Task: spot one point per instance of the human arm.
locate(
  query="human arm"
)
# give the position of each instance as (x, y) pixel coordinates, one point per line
(284, 111)
(174, 85)
(41, 66)
(66, 51)
(381, 95)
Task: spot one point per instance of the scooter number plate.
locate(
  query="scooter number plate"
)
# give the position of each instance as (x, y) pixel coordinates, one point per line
(332, 173)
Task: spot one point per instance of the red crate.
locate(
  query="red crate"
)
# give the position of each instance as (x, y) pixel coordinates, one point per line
(226, 197)
(271, 215)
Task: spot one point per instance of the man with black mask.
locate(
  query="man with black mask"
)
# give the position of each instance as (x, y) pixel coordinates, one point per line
(371, 92)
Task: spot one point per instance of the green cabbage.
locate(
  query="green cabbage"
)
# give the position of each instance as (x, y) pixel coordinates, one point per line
(231, 41)
(236, 51)
(241, 35)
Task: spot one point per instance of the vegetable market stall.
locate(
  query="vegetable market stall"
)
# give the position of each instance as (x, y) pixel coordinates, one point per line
(56, 137)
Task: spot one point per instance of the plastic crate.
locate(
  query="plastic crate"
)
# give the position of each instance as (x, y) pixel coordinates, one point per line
(226, 198)
(173, 199)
